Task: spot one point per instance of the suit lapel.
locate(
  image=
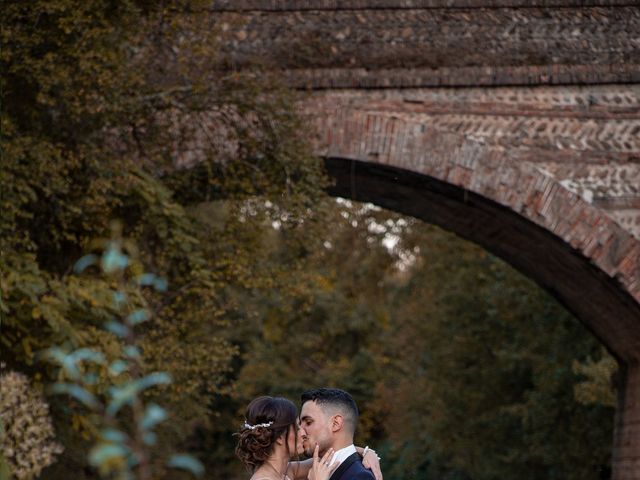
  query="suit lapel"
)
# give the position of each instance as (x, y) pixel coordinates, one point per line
(344, 466)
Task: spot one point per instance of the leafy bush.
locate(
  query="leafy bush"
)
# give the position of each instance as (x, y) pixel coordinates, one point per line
(126, 436)
(27, 437)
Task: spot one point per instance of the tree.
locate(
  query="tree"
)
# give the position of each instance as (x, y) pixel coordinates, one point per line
(105, 105)
(482, 372)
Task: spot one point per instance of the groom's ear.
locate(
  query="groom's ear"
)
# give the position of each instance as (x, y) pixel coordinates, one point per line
(337, 422)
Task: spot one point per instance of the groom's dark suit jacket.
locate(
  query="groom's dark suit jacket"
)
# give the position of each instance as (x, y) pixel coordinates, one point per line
(352, 469)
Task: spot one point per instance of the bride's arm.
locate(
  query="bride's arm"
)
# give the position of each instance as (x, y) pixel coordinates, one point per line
(370, 460)
(299, 470)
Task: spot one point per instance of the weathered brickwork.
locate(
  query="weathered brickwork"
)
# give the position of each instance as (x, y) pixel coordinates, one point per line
(487, 170)
(302, 5)
(489, 76)
(627, 432)
(587, 138)
(433, 47)
(542, 168)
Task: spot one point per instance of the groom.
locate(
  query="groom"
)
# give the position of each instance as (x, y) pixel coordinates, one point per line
(328, 418)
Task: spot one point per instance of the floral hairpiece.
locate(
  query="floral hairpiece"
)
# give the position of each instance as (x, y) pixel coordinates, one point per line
(257, 425)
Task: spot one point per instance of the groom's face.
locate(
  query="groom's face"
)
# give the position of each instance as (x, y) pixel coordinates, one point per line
(314, 428)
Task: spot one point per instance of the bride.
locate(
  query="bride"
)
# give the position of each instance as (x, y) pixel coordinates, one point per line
(268, 441)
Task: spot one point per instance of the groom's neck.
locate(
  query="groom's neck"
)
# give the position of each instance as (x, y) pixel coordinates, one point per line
(340, 443)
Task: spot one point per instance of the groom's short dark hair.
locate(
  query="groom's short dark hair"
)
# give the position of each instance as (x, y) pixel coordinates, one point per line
(334, 398)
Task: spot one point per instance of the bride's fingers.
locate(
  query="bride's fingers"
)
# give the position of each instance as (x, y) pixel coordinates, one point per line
(377, 472)
(315, 453)
(372, 462)
(328, 456)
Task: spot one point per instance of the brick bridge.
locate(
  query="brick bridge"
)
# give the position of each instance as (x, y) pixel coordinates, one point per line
(514, 123)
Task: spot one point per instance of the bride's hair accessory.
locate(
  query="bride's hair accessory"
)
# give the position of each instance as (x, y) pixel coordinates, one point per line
(255, 439)
(257, 425)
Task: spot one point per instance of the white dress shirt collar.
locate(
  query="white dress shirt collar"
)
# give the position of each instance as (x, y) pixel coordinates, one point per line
(342, 454)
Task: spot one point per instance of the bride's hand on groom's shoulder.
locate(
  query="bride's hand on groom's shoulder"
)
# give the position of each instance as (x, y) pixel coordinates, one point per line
(371, 460)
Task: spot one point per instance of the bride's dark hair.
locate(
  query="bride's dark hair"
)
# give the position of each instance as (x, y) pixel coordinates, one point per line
(267, 418)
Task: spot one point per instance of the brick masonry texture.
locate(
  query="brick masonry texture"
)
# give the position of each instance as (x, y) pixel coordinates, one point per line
(438, 47)
(515, 123)
(491, 169)
(587, 138)
(625, 460)
(301, 5)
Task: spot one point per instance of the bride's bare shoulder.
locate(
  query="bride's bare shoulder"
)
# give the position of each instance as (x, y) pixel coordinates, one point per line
(286, 477)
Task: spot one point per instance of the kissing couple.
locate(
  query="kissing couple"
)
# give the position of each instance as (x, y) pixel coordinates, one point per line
(274, 436)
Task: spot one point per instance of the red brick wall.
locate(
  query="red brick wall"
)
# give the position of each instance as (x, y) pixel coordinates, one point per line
(626, 444)
(401, 44)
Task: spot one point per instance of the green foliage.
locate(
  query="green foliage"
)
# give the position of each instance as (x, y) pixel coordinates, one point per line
(4, 467)
(27, 444)
(104, 107)
(126, 436)
(598, 375)
(481, 373)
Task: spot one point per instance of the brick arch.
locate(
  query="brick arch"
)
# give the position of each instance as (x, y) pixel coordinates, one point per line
(590, 293)
(568, 246)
